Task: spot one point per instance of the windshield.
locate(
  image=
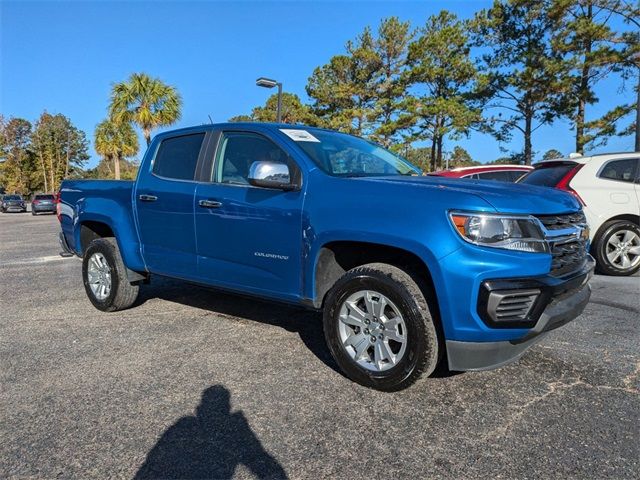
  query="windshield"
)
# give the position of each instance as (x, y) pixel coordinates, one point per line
(547, 175)
(12, 197)
(348, 156)
(44, 197)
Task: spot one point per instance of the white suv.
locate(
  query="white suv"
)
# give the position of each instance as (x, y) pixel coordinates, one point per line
(609, 188)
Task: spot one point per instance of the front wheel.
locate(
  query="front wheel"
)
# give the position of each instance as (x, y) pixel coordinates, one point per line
(379, 328)
(105, 277)
(617, 248)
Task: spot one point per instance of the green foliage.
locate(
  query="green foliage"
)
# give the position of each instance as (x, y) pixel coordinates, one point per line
(363, 91)
(593, 50)
(418, 156)
(114, 141)
(389, 115)
(16, 168)
(59, 150)
(461, 158)
(293, 110)
(522, 74)
(552, 154)
(146, 101)
(242, 118)
(106, 170)
(344, 90)
(443, 76)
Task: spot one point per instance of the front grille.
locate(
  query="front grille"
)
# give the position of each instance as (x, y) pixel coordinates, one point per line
(568, 252)
(511, 305)
(567, 257)
(559, 222)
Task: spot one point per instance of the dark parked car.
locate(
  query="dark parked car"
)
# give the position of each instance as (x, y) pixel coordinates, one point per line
(13, 203)
(43, 203)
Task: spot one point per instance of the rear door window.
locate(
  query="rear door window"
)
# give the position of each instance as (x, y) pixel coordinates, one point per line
(620, 170)
(177, 157)
(500, 175)
(548, 175)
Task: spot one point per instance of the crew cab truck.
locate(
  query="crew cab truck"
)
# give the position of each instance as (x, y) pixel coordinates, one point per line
(408, 270)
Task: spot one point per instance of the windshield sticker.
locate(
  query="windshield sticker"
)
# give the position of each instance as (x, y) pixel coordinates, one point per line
(299, 135)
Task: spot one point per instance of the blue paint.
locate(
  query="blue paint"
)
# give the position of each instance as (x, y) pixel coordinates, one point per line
(266, 242)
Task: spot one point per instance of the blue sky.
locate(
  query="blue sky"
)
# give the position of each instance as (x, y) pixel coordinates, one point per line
(64, 56)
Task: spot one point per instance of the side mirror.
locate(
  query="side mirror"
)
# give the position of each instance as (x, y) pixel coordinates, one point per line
(271, 175)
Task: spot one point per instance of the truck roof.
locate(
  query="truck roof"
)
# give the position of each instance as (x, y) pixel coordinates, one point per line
(241, 126)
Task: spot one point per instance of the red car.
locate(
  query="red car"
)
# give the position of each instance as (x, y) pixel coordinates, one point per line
(502, 173)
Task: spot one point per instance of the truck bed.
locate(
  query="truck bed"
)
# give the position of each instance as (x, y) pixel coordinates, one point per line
(110, 196)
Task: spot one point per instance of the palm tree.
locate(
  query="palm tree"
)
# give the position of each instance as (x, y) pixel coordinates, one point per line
(115, 141)
(145, 101)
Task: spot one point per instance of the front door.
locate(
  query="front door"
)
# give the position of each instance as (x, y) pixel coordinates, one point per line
(248, 237)
(164, 202)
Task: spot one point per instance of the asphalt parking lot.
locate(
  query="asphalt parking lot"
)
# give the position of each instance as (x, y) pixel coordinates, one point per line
(194, 383)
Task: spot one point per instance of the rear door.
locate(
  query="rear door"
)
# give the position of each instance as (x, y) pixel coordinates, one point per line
(249, 238)
(615, 190)
(164, 199)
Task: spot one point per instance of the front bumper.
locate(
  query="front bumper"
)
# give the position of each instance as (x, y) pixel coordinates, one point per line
(15, 208)
(564, 301)
(43, 208)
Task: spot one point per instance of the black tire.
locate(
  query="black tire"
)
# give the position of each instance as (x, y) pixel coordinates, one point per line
(122, 294)
(599, 249)
(422, 346)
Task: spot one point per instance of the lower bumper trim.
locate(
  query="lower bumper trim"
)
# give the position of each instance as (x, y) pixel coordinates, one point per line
(464, 356)
(475, 356)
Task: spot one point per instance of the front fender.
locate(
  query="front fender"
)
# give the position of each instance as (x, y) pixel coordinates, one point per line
(414, 247)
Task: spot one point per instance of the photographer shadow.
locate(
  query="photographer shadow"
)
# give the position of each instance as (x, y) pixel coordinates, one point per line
(210, 444)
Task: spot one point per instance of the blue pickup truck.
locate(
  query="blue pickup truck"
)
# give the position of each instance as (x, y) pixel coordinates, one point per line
(410, 271)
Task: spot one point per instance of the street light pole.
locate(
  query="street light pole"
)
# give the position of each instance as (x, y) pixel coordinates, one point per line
(279, 111)
(270, 83)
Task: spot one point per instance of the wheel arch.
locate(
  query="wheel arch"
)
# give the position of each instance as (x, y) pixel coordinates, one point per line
(336, 257)
(627, 217)
(90, 226)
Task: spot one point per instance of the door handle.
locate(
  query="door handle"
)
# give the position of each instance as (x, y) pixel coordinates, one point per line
(209, 204)
(147, 198)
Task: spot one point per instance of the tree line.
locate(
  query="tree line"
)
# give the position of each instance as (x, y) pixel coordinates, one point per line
(507, 71)
(36, 158)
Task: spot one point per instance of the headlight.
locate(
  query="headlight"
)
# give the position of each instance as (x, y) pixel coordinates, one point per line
(521, 233)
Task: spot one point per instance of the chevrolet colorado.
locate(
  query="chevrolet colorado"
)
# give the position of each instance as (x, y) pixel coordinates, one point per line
(408, 270)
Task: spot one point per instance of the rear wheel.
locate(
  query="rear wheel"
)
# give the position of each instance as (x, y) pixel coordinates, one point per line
(617, 248)
(105, 277)
(379, 328)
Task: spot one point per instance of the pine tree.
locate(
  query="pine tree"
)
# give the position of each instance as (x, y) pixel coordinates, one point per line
(593, 50)
(521, 72)
(442, 76)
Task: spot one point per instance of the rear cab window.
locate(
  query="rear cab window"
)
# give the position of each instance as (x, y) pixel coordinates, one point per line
(177, 157)
(548, 174)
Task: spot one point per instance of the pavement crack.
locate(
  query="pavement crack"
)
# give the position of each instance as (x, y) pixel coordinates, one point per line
(560, 388)
(554, 388)
(632, 377)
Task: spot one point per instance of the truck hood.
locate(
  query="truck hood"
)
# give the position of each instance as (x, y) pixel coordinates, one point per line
(504, 197)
